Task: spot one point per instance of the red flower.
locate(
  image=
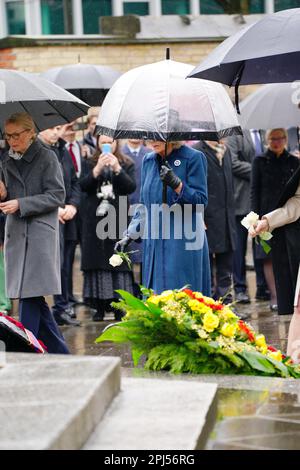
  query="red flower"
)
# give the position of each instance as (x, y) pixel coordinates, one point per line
(189, 292)
(247, 330)
(272, 349)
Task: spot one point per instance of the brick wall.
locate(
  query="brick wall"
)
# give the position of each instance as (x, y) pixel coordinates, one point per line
(7, 58)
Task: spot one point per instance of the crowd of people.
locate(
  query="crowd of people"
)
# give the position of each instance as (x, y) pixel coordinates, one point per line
(58, 192)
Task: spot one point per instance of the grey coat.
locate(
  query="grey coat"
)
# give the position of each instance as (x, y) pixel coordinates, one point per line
(31, 246)
(242, 154)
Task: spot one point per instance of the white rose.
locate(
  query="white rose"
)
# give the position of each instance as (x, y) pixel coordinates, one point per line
(250, 220)
(115, 260)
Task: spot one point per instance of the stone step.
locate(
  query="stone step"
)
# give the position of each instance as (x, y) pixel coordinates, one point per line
(54, 402)
(157, 414)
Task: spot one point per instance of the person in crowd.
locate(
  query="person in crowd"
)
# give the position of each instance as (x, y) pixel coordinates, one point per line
(31, 196)
(219, 217)
(243, 149)
(270, 174)
(293, 141)
(110, 174)
(62, 310)
(76, 151)
(89, 141)
(136, 150)
(176, 253)
(289, 213)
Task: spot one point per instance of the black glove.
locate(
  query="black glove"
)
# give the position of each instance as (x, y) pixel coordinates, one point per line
(122, 244)
(168, 176)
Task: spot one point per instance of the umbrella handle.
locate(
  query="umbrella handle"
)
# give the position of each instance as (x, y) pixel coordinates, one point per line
(236, 88)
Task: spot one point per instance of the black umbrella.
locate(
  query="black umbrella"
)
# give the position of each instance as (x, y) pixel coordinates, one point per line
(88, 82)
(48, 104)
(16, 337)
(267, 51)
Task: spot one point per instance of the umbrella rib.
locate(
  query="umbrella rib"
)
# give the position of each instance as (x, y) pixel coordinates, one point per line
(26, 111)
(59, 112)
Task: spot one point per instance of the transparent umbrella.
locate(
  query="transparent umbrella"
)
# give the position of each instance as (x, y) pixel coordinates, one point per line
(155, 101)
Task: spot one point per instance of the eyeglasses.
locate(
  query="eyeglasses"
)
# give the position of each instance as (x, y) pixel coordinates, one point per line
(275, 139)
(15, 135)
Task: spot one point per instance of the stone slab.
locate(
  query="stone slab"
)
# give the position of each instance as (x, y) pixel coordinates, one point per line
(54, 402)
(157, 414)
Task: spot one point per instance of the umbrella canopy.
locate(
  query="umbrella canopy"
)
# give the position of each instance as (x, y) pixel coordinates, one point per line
(267, 51)
(156, 102)
(48, 104)
(16, 338)
(88, 82)
(272, 106)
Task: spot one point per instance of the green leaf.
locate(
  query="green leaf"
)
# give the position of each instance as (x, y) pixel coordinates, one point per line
(280, 366)
(153, 308)
(132, 301)
(265, 246)
(146, 292)
(136, 355)
(258, 361)
(117, 333)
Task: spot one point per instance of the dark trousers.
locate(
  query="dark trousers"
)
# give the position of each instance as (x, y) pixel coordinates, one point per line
(69, 266)
(239, 261)
(221, 275)
(67, 250)
(38, 318)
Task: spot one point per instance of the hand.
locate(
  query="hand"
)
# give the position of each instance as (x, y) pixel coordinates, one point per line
(168, 177)
(262, 226)
(61, 212)
(10, 207)
(122, 244)
(69, 212)
(113, 162)
(85, 151)
(3, 192)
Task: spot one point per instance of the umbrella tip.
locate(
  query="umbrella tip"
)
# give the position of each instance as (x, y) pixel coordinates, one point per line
(167, 53)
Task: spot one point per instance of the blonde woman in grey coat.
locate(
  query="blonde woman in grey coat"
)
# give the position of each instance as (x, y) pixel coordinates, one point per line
(32, 192)
(286, 214)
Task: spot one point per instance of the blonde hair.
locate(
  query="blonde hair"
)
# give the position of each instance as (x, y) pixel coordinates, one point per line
(279, 129)
(24, 120)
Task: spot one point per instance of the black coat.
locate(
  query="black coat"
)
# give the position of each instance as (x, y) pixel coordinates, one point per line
(72, 186)
(96, 252)
(269, 190)
(220, 212)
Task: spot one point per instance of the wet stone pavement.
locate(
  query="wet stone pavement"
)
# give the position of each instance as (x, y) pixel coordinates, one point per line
(253, 413)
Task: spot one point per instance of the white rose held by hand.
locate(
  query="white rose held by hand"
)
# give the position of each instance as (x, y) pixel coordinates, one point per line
(250, 220)
(115, 260)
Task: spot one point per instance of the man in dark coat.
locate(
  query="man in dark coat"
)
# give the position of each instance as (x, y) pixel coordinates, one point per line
(68, 230)
(243, 149)
(89, 142)
(219, 217)
(136, 150)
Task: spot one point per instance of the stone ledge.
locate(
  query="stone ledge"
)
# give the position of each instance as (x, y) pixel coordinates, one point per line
(157, 414)
(54, 402)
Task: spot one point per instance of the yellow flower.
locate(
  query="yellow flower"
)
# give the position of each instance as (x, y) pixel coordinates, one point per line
(228, 314)
(154, 299)
(198, 307)
(260, 341)
(229, 329)
(198, 295)
(181, 295)
(276, 355)
(210, 322)
(166, 295)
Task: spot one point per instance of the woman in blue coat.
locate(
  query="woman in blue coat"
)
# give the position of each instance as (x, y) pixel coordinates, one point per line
(175, 251)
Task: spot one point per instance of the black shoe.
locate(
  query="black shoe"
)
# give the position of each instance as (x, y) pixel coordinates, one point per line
(98, 316)
(262, 294)
(71, 312)
(242, 298)
(65, 319)
(74, 300)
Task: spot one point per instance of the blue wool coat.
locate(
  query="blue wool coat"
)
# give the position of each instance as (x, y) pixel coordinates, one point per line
(174, 253)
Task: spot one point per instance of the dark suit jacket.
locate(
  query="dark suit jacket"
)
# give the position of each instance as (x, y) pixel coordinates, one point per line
(220, 212)
(242, 154)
